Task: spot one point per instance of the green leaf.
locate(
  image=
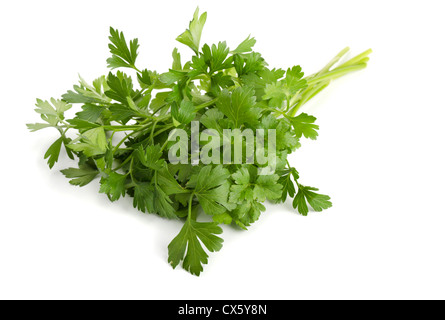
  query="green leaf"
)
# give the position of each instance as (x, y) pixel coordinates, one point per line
(224, 218)
(82, 125)
(304, 125)
(317, 201)
(154, 198)
(212, 189)
(247, 63)
(61, 106)
(121, 87)
(90, 112)
(220, 81)
(239, 106)
(277, 94)
(80, 176)
(250, 186)
(186, 246)
(214, 201)
(33, 127)
(86, 93)
(150, 79)
(159, 102)
(113, 185)
(287, 183)
(267, 187)
(271, 76)
(245, 46)
(199, 64)
(247, 213)
(94, 143)
(169, 184)
(144, 197)
(122, 113)
(215, 57)
(208, 178)
(76, 97)
(53, 152)
(53, 111)
(192, 36)
(176, 60)
(182, 172)
(172, 76)
(294, 79)
(279, 91)
(183, 114)
(242, 189)
(163, 204)
(213, 119)
(66, 142)
(151, 156)
(285, 138)
(122, 56)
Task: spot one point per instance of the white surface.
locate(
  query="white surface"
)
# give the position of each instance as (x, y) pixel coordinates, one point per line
(379, 156)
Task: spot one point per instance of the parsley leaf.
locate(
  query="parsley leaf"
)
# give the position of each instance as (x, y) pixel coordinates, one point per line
(143, 198)
(304, 125)
(211, 189)
(151, 156)
(52, 111)
(266, 187)
(247, 213)
(187, 247)
(184, 113)
(248, 191)
(94, 143)
(286, 182)
(306, 195)
(121, 87)
(239, 106)
(80, 176)
(113, 185)
(122, 56)
(53, 152)
(192, 36)
(245, 46)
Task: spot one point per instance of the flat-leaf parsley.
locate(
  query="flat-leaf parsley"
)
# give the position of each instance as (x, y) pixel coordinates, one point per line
(128, 128)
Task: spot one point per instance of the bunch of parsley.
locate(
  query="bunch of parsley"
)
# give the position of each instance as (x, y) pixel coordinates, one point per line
(223, 89)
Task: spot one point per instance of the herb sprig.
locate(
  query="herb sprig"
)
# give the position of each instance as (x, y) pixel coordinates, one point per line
(123, 125)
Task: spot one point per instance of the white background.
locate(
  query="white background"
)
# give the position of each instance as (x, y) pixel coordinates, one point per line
(379, 156)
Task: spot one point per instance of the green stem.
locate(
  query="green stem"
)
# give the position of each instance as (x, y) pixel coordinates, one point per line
(130, 185)
(336, 73)
(362, 57)
(123, 163)
(164, 145)
(152, 132)
(333, 61)
(288, 164)
(164, 128)
(131, 170)
(320, 80)
(138, 129)
(206, 104)
(283, 113)
(121, 128)
(190, 206)
(308, 95)
(135, 68)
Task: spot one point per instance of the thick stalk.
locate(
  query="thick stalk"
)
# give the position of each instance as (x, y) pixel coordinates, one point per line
(320, 80)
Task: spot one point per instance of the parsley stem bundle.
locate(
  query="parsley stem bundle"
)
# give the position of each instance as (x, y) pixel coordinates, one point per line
(123, 132)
